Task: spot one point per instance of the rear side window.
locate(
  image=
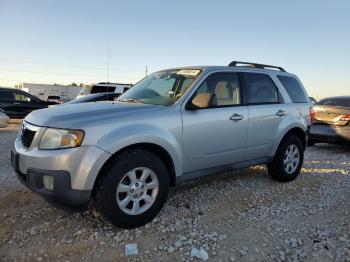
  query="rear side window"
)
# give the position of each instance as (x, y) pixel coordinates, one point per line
(260, 89)
(293, 88)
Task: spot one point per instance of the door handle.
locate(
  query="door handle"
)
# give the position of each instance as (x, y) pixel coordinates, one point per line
(236, 117)
(281, 113)
(16, 103)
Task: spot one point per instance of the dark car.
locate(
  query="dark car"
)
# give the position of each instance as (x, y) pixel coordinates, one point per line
(332, 121)
(95, 97)
(17, 103)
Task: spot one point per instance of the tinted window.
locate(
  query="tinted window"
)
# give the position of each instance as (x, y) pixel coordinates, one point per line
(6, 95)
(53, 97)
(225, 86)
(294, 90)
(102, 89)
(341, 101)
(260, 89)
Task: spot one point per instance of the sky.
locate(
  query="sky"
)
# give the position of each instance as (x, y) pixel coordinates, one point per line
(66, 41)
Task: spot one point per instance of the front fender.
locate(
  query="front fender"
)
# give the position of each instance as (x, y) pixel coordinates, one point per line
(125, 136)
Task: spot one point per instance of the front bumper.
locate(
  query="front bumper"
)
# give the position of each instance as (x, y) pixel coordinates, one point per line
(61, 191)
(330, 134)
(74, 171)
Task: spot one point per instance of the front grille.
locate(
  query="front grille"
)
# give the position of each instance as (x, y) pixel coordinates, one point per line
(27, 136)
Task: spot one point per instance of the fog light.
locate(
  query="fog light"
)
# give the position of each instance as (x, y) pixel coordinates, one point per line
(48, 182)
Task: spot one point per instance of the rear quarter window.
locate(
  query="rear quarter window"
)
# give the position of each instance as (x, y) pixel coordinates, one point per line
(294, 89)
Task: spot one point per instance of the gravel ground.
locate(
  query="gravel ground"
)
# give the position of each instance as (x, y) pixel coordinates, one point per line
(236, 216)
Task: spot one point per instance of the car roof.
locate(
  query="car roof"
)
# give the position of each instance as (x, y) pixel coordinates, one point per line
(233, 69)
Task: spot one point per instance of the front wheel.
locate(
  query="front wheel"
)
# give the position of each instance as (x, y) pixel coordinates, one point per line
(134, 189)
(288, 160)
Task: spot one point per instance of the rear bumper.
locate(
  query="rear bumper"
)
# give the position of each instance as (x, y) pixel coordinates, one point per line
(330, 134)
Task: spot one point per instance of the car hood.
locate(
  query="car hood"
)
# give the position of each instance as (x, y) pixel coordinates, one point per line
(76, 115)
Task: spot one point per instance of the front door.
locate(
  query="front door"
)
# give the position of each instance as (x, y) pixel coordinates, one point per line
(216, 136)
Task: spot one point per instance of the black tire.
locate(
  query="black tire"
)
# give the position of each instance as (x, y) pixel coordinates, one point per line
(311, 142)
(106, 200)
(276, 168)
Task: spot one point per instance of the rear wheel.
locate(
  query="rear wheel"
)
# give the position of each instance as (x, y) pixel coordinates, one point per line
(288, 160)
(134, 189)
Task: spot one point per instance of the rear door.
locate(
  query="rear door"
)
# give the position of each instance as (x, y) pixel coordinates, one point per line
(266, 112)
(216, 136)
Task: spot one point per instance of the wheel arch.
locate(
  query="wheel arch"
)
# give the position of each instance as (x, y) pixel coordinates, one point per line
(296, 130)
(158, 150)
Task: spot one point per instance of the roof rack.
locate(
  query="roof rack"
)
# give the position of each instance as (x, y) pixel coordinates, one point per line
(255, 65)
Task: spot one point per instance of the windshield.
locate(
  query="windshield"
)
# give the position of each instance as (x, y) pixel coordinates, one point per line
(161, 88)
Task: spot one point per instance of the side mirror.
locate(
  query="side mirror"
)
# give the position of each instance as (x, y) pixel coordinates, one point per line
(203, 100)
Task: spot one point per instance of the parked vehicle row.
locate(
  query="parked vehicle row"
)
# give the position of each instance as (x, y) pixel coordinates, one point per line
(174, 125)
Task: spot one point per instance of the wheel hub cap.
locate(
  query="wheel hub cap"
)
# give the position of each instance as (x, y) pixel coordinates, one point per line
(291, 159)
(137, 191)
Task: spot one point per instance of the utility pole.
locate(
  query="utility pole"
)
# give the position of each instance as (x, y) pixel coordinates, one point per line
(107, 64)
(146, 71)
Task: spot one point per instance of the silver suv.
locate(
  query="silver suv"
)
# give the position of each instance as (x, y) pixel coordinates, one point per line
(174, 125)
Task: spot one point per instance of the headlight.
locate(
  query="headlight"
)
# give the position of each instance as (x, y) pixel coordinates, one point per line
(60, 138)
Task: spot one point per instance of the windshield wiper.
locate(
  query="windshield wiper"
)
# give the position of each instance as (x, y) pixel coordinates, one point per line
(131, 100)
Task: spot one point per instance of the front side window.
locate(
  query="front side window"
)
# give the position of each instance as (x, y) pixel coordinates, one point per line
(260, 89)
(161, 88)
(293, 88)
(225, 87)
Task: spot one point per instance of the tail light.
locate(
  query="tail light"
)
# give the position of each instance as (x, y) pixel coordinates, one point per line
(345, 117)
(312, 115)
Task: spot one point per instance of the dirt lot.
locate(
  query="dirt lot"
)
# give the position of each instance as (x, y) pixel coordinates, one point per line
(237, 216)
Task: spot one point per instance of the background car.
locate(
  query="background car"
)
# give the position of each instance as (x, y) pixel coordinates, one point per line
(54, 99)
(104, 87)
(4, 119)
(95, 97)
(17, 103)
(332, 121)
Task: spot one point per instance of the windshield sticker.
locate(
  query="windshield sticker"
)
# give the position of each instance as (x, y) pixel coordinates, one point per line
(189, 72)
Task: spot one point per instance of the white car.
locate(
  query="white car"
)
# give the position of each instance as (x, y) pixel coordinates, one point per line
(54, 99)
(104, 87)
(4, 119)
